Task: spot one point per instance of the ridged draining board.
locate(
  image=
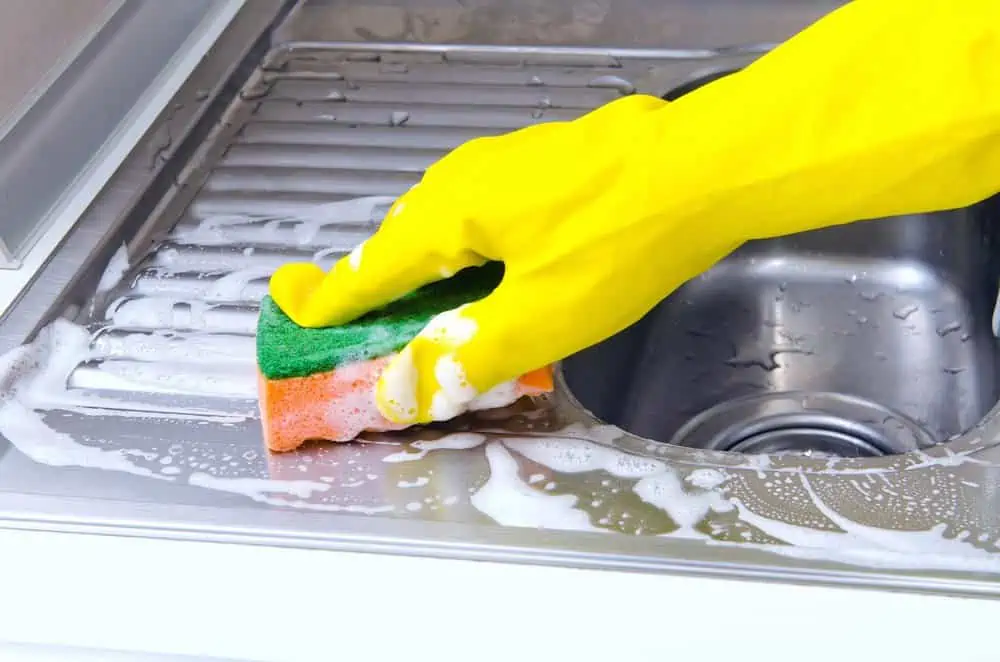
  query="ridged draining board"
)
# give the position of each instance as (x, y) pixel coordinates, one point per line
(316, 127)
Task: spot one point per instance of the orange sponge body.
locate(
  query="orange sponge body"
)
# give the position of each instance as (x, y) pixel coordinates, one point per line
(339, 404)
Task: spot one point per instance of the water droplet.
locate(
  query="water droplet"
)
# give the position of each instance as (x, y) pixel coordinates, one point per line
(537, 113)
(905, 311)
(613, 82)
(862, 319)
(951, 327)
(535, 80)
(953, 371)
(544, 102)
(782, 286)
(870, 296)
(399, 118)
(336, 95)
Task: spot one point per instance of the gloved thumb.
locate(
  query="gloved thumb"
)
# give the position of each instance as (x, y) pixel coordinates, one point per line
(471, 357)
(460, 355)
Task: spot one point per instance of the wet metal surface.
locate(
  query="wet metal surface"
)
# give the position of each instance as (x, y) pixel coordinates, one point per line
(895, 313)
(135, 414)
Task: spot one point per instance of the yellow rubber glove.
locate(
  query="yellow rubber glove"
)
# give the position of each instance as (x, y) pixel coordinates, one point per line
(881, 108)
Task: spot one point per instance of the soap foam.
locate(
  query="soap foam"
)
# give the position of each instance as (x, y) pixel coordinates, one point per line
(706, 479)
(115, 270)
(232, 381)
(687, 509)
(25, 429)
(33, 379)
(178, 347)
(234, 286)
(304, 227)
(567, 455)
(661, 486)
(456, 441)
(510, 502)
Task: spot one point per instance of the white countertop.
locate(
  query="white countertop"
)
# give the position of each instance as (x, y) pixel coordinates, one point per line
(261, 603)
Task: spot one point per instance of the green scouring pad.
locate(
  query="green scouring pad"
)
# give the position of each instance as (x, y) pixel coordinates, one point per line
(285, 349)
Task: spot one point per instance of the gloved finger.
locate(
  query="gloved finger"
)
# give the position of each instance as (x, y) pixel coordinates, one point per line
(415, 245)
(470, 357)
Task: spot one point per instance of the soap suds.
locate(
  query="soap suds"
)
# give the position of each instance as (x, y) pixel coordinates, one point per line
(454, 392)
(500, 395)
(510, 502)
(397, 388)
(264, 490)
(661, 486)
(233, 287)
(302, 489)
(706, 479)
(300, 229)
(113, 273)
(868, 546)
(456, 441)
(33, 379)
(25, 429)
(577, 456)
(179, 347)
(221, 380)
(687, 509)
(874, 545)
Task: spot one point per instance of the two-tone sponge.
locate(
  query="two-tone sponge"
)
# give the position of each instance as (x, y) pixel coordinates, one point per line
(320, 383)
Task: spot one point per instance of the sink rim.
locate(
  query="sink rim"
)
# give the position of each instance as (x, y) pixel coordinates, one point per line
(982, 436)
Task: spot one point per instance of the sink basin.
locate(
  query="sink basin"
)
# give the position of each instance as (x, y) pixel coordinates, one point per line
(868, 339)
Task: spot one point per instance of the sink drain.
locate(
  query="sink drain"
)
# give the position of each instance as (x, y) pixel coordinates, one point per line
(818, 424)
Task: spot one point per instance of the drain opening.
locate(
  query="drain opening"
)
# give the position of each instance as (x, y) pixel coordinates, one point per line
(811, 435)
(812, 424)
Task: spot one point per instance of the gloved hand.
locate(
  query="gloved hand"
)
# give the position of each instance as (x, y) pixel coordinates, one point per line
(570, 209)
(600, 218)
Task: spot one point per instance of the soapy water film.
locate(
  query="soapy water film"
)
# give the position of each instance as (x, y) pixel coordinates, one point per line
(572, 479)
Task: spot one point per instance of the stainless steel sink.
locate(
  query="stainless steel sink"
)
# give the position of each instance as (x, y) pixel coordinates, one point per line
(812, 386)
(863, 340)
